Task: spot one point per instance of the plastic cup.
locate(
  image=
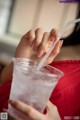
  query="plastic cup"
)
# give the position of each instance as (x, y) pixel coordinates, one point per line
(31, 86)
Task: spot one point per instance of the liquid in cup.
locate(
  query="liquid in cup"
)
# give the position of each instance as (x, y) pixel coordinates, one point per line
(30, 86)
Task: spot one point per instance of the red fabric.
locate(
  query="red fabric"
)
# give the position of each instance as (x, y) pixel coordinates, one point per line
(4, 95)
(66, 95)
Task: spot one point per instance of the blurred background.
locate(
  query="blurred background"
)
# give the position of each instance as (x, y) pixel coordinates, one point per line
(19, 16)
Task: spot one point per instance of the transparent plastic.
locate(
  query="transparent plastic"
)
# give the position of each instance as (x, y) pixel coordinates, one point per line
(31, 86)
(40, 64)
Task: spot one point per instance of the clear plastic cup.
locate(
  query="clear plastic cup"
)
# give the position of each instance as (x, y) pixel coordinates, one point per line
(31, 86)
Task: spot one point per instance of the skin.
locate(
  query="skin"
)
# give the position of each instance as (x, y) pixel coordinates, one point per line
(34, 45)
(33, 114)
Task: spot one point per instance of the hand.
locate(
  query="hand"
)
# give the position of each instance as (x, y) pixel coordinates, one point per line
(33, 114)
(35, 44)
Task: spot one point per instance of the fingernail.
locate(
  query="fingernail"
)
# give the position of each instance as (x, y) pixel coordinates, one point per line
(11, 101)
(40, 53)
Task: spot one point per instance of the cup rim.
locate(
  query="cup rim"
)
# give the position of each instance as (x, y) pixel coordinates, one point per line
(61, 74)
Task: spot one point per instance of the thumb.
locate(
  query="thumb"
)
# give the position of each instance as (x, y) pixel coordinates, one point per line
(52, 111)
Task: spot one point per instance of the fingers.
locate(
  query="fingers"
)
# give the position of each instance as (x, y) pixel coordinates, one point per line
(28, 38)
(50, 106)
(31, 113)
(34, 38)
(55, 52)
(31, 37)
(52, 111)
(41, 41)
(54, 34)
(48, 39)
(27, 110)
(38, 39)
(44, 45)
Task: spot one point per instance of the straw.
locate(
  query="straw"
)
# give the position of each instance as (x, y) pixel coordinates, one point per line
(40, 64)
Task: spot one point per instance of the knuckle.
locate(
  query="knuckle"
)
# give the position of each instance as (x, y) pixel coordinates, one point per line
(23, 37)
(37, 42)
(31, 35)
(55, 32)
(31, 38)
(43, 48)
(30, 111)
(39, 30)
(46, 34)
